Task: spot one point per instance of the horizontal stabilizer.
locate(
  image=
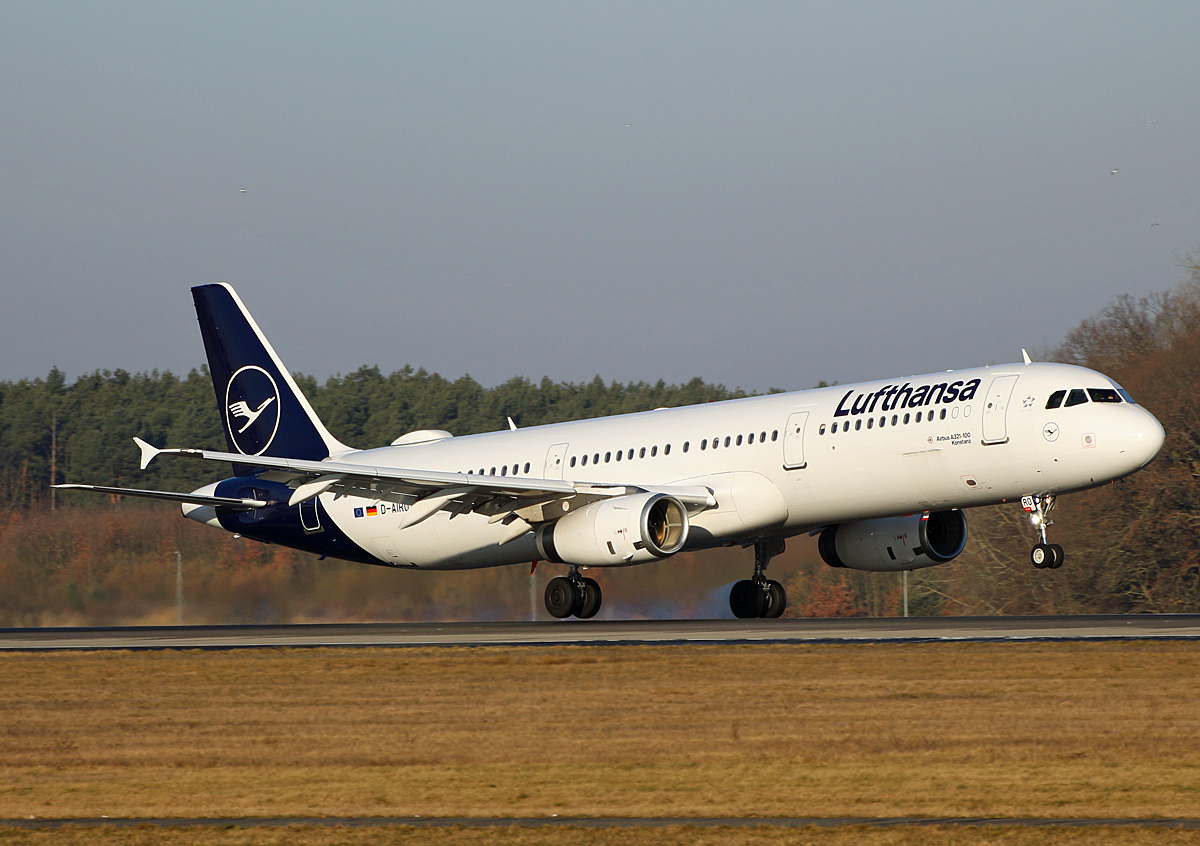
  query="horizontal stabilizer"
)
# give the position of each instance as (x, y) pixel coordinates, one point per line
(171, 496)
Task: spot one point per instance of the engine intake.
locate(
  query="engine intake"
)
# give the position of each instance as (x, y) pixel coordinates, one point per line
(895, 543)
(630, 529)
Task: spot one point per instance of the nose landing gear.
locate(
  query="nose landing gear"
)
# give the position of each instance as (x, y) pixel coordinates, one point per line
(1045, 555)
(759, 596)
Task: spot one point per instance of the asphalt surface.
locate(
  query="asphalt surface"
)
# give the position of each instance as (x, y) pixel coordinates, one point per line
(599, 632)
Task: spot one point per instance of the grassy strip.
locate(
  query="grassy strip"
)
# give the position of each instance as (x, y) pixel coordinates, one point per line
(666, 836)
(1055, 730)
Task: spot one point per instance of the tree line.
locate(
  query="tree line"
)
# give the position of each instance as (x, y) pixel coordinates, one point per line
(52, 430)
(1132, 546)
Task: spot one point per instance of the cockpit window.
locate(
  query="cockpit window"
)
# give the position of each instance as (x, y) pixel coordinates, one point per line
(1125, 394)
(1078, 396)
(1056, 399)
(1104, 395)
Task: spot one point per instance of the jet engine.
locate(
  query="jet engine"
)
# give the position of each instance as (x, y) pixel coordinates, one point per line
(630, 529)
(895, 543)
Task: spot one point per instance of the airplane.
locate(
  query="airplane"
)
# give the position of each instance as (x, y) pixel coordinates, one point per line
(880, 472)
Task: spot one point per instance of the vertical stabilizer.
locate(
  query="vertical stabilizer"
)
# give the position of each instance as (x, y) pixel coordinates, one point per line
(262, 409)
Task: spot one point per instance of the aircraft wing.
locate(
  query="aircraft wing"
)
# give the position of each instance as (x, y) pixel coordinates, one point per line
(503, 498)
(235, 503)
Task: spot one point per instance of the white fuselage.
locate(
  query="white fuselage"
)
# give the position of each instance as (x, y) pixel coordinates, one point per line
(783, 464)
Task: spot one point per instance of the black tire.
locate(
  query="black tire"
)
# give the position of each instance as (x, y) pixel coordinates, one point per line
(1059, 556)
(561, 597)
(776, 600)
(746, 600)
(1042, 555)
(592, 598)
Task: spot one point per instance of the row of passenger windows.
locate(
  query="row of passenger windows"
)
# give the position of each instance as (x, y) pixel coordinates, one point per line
(516, 468)
(1078, 396)
(652, 452)
(895, 420)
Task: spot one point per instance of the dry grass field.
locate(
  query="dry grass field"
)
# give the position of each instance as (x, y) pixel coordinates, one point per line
(1040, 730)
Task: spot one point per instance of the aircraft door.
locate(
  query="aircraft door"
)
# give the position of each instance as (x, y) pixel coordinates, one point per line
(793, 441)
(554, 462)
(995, 410)
(310, 518)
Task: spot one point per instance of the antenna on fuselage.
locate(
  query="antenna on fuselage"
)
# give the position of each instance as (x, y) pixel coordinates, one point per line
(1025, 356)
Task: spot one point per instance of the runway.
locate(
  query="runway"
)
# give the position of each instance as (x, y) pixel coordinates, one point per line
(599, 632)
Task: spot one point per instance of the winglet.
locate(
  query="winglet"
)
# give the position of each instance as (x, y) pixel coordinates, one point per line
(1025, 356)
(149, 453)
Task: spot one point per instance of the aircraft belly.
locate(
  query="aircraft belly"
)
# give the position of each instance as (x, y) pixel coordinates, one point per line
(441, 542)
(747, 503)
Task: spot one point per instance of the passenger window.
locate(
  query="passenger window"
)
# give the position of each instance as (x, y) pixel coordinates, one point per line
(607, 457)
(493, 472)
(1056, 399)
(585, 461)
(942, 416)
(775, 435)
(1104, 395)
(858, 425)
(653, 451)
(1077, 397)
(687, 445)
(762, 437)
(895, 419)
(739, 440)
(504, 470)
(870, 422)
(918, 417)
(642, 452)
(704, 445)
(527, 468)
(596, 458)
(620, 452)
(821, 431)
(727, 441)
(906, 418)
(572, 461)
(750, 438)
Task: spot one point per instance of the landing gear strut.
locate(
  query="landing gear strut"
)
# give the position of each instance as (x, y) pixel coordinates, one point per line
(759, 596)
(573, 595)
(1045, 556)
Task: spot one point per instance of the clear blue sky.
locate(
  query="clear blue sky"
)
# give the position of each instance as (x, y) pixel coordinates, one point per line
(759, 194)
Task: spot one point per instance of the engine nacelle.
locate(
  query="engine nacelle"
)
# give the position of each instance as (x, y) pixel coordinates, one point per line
(631, 529)
(895, 543)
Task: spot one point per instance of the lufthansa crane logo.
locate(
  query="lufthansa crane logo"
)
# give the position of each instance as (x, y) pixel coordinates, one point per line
(252, 409)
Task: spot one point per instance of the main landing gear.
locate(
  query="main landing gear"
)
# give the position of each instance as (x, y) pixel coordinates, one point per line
(573, 595)
(759, 596)
(1045, 556)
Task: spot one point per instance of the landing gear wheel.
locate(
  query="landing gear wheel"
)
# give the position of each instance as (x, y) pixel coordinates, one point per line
(776, 600)
(561, 597)
(747, 600)
(1047, 556)
(590, 599)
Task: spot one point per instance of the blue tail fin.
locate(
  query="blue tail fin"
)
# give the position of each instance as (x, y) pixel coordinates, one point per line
(262, 409)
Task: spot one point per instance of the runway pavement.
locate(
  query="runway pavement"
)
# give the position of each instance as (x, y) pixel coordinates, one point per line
(600, 632)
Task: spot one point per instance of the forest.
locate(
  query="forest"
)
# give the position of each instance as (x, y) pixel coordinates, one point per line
(79, 559)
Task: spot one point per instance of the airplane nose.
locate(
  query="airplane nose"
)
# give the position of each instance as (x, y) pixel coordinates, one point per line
(1146, 440)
